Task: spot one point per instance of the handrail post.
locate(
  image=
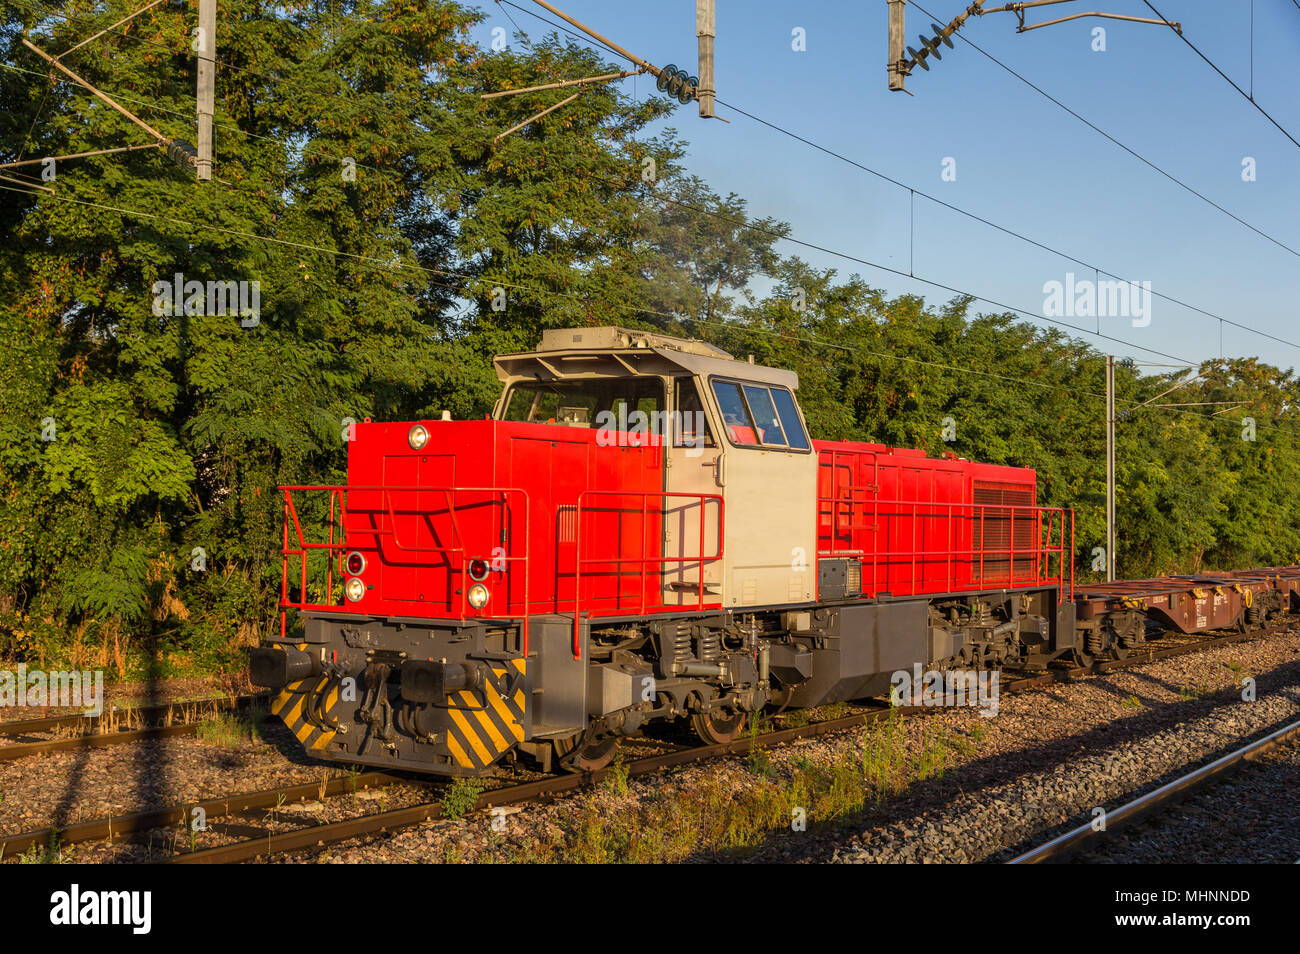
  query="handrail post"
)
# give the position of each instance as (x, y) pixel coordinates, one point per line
(645, 529)
(1011, 556)
(699, 566)
(330, 556)
(577, 576)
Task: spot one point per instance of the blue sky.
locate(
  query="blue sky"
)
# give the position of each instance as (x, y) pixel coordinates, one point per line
(1020, 161)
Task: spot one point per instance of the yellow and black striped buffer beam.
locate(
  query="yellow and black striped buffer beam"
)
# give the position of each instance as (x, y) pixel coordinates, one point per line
(484, 724)
(306, 708)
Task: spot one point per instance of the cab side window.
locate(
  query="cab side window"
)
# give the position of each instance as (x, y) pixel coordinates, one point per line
(763, 411)
(759, 415)
(794, 434)
(691, 427)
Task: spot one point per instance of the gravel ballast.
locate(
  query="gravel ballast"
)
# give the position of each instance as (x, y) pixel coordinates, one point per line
(992, 787)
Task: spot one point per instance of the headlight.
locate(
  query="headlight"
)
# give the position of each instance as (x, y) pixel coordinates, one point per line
(417, 437)
(354, 589)
(478, 570)
(354, 563)
(478, 596)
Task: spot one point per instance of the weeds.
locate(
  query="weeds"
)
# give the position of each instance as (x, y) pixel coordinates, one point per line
(796, 719)
(835, 710)
(232, 730)
(615, 780)
(1190, 693)
(758, 761)
(460, 797)
(717, 812)
(51, 854)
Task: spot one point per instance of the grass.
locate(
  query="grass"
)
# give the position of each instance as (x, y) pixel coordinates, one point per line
(1132, 702)
(51, 854)
(232, 730)
(759, 761)
(1240, 674)
(723, 812)
(835, 710)
(1200, 690)
(460, 797)
(615, 780)
(795, 719)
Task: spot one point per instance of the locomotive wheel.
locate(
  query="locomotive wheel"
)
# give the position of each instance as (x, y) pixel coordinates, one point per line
(577, 753)
(718, 725)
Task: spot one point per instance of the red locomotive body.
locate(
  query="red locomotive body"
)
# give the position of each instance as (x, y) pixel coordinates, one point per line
(496, 503)
(643, 531)
(923, 525)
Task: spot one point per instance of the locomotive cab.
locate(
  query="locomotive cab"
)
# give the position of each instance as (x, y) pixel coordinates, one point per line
(722, 427)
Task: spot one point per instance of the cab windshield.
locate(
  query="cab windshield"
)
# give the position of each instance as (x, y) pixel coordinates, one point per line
(587, 403)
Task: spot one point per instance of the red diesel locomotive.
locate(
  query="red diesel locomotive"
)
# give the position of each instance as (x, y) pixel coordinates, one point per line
(644, 531)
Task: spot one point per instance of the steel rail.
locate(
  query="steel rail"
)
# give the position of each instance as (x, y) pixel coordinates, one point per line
(97, 740)
(143, 713)
(1063, 846)
(107, 829)
(529, 791)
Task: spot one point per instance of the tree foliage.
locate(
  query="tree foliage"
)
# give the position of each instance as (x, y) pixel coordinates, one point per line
(398, 245)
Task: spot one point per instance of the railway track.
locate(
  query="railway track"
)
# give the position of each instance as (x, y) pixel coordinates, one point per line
(332, 832)
(1167, 796)
(179, 719)
(114, 727)
(229, 814)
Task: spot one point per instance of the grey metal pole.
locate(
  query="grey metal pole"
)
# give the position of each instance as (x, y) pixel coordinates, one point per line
(897, 13)
(705, 31)
(207, 85)
(1110, 468)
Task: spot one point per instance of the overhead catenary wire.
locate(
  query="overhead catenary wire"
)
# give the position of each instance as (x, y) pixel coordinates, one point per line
(1101, 132)
(494, 281)
(984, 221)
(880, 266)
(829, 251)
(1227, 79)
(400, 267)
(975, 217)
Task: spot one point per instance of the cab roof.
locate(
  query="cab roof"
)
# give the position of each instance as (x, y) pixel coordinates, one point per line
(611, 351)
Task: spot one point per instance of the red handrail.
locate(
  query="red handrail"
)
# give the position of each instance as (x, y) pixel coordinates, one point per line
(341, 492)
(643, 560)
(1052, 542)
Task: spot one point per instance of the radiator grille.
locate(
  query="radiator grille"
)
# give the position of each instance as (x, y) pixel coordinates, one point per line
(993, 528)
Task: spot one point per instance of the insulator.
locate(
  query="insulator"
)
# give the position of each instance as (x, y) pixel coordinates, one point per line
(182, 153)
(665, 77)
(919, 57)
(688, 90)
(938, 35)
